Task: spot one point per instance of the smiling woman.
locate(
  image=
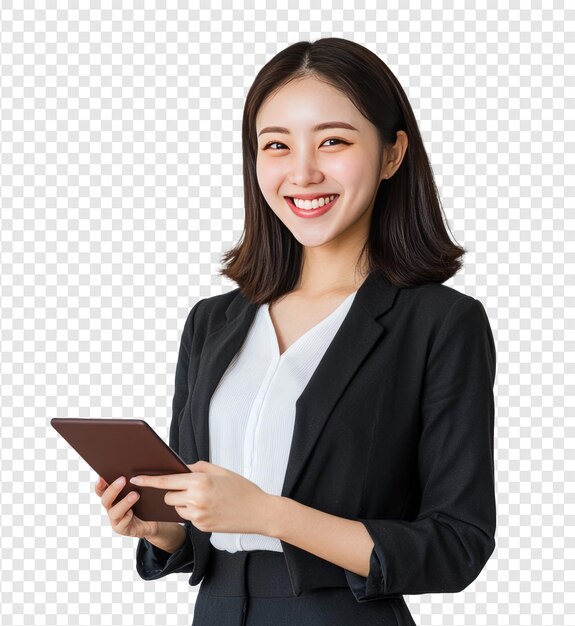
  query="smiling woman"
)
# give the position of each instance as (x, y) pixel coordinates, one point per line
(336, 409)
(312, 161)
(356, 138)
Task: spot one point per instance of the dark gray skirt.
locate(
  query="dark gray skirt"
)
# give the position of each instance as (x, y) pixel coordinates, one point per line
(252, 588)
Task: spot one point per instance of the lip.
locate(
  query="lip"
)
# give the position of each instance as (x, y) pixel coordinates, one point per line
(311, 196)
(311, 212)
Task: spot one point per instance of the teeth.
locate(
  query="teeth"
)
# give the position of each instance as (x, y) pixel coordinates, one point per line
(312, 204)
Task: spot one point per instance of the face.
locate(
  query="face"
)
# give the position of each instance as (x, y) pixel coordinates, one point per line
(297, 159)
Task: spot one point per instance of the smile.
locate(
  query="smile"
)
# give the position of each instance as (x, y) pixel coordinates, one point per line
(317, 207)
(312, 204)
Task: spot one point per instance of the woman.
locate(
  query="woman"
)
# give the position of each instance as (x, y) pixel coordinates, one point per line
(337, 408)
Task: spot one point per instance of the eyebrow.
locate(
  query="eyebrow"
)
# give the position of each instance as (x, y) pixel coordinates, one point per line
(324, 126)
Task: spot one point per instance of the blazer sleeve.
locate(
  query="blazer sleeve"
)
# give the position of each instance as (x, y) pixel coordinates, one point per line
(446, 546)
(151, 561)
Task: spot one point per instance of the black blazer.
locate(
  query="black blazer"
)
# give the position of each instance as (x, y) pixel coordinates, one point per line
(394, 429)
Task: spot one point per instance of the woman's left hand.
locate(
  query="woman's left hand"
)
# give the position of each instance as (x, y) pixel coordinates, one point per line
(214, 498)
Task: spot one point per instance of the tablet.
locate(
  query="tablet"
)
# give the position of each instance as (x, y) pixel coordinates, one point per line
(126, 447)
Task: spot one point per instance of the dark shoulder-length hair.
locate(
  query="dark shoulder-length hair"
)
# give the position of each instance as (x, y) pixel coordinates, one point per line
(408, 241)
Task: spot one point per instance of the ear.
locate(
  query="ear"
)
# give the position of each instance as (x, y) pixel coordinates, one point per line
(393, 155)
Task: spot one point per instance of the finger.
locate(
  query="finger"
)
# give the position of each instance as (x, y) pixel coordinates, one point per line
(172, 482)
(118, 511)
(176, 498)
(123, 524)
(111, 493)
(101, 485)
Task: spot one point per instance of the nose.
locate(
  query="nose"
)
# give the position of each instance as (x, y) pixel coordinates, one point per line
(305, 170)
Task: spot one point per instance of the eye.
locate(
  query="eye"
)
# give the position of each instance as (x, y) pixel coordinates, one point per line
(335, 139)
(271, 143)
(278, 143)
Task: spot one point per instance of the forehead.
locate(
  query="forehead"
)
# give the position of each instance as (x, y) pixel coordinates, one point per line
(305, 103)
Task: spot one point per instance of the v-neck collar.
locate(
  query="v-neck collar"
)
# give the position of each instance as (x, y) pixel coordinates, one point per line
(310, 332)
(362, 328)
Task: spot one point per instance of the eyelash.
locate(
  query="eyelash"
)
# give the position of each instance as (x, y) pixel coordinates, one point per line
(271, 143)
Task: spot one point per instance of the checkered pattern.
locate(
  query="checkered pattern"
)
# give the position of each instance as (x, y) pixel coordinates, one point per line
(121, 186)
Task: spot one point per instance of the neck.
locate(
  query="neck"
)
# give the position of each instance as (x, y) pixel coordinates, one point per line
(325, 272)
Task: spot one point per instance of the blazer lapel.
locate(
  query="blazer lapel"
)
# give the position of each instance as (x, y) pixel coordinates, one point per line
(351, 344)
(218, 350)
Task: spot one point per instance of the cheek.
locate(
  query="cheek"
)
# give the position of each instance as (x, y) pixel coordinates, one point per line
(268, 186)
(357, 177)
(259, 174)
(354, 166)
(349, 172)
(268, 176)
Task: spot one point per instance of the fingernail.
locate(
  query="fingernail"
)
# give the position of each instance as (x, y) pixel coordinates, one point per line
(119, 481)
(136, 480)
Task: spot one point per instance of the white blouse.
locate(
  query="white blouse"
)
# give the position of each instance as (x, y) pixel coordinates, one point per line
(252, 410)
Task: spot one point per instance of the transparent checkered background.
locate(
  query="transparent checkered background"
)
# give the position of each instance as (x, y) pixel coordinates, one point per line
(120, 188)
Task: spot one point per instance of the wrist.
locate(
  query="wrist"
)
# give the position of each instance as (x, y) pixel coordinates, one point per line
(169, 537)
(276, 511)
(150, 536)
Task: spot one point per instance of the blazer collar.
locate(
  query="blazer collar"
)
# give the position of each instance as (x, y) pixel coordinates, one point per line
(356, 336)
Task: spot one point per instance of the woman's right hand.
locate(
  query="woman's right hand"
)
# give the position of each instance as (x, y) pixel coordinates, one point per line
(122, 518)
